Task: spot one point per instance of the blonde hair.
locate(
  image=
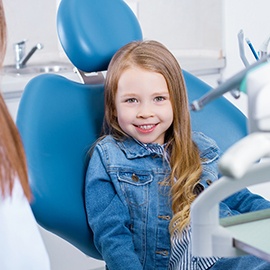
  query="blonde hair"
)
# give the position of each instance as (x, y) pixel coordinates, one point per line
(184, 155)
(12, 158)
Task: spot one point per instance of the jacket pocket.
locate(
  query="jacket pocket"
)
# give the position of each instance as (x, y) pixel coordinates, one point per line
(135, 185)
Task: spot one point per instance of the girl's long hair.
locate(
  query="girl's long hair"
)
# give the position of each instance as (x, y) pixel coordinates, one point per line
(12, 158)
(184, 155)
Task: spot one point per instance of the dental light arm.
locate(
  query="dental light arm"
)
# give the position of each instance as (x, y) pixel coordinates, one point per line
(233, 83)
(237, 159)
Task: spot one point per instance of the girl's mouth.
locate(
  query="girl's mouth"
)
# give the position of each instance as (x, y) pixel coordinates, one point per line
(146, 128)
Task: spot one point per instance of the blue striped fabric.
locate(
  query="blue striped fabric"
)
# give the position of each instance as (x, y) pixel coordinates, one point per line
(181, 257)
(155, 148)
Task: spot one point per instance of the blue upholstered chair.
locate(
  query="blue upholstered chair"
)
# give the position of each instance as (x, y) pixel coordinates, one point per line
(60, 119)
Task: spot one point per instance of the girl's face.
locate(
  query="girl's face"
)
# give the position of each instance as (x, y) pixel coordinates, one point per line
(143, 105)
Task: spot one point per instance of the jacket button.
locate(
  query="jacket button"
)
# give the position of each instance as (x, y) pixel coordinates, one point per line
(208, 182)
(162, 252)
(134, 177)
(164, 217)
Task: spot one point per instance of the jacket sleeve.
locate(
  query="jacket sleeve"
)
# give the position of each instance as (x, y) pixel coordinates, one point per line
(245, 201)
(108, 217)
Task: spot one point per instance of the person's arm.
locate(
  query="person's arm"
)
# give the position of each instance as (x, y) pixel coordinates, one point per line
(245, 201)
(22, 246)
(108, 217)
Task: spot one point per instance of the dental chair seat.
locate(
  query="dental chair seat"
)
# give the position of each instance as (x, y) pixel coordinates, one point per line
(59, 119)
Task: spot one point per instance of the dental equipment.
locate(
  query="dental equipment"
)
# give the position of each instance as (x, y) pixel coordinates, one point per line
(252, 49)
(20, 58)
(236, 161)
(241, 47)
(212, 236)
(245, 233)
(264, 46)
(233, 83)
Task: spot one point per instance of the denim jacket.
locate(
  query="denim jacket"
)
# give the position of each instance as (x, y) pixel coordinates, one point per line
(129, 206)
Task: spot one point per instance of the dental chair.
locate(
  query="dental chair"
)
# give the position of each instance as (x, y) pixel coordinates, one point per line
(60, 119)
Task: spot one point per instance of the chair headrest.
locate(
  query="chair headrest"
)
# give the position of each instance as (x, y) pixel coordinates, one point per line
(92, 31)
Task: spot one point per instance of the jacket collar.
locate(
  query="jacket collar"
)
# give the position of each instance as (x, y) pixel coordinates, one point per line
(134, 148)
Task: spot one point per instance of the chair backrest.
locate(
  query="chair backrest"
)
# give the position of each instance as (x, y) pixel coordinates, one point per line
(91, 31)
(59, 119)
(220, 119)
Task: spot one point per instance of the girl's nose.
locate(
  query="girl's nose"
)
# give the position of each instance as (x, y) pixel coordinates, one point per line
(145, 111)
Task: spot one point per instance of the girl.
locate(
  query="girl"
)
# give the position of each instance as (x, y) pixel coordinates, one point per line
(148, 169)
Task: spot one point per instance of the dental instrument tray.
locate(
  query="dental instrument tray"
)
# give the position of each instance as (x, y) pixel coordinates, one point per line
(249, 232)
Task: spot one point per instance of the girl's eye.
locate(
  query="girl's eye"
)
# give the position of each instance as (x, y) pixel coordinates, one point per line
(131, 100)
(160, 98)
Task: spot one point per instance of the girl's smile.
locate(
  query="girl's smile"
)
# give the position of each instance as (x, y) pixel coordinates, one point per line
(146, 128)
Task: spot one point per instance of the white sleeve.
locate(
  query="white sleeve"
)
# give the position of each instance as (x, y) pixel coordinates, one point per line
(21, 245)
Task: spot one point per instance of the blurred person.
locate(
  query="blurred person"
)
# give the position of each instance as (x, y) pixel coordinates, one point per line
(21, 244)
